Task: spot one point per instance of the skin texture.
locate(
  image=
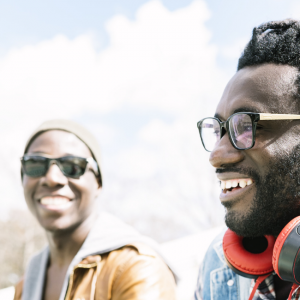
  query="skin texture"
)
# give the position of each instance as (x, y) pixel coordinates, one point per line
(67, 228)
(267, 205)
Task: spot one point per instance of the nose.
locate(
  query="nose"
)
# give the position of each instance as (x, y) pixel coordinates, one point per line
(225, 154)
(54, 177)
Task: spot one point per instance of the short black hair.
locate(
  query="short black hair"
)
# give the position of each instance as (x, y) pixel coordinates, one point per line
(275, 42)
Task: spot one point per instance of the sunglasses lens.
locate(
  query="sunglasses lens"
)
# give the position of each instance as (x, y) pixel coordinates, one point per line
(210, 133)
(73, 166)
(241, 131)
(34, 166)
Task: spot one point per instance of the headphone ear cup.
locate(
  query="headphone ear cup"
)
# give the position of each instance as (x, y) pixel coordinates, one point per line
(286, 252)
(244, 262)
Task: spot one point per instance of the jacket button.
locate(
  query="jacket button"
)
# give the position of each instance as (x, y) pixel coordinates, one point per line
(230, 282)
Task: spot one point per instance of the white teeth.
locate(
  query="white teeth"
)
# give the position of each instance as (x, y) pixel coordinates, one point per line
(55, 201)
(228, 184)
(249, 181)
(242, 183)
(223, 184)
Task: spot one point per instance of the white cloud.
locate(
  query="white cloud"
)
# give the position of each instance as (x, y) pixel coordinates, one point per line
(160, 65)
(157, 60)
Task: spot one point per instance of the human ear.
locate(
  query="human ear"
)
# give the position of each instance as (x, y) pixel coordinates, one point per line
(99, 190)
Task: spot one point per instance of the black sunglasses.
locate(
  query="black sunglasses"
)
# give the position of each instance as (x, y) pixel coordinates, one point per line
(70, 166)
(241, 128)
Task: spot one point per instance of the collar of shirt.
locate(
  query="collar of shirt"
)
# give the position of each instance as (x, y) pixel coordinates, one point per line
(266, 290)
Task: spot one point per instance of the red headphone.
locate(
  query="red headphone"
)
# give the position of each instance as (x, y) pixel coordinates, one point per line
(258, 257)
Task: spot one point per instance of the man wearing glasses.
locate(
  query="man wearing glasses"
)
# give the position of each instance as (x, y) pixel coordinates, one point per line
(254, 140)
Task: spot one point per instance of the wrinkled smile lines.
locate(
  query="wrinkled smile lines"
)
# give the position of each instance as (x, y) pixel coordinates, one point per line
(233, 183)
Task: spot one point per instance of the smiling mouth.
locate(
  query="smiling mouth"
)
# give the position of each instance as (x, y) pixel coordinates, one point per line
(55, 202)
(235, 184)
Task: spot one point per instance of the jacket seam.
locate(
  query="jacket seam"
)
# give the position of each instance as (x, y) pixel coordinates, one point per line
(219, 253)
(212, 272)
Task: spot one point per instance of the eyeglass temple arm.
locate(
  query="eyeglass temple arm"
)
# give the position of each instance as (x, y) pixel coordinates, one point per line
(278, 117)
(93, 164)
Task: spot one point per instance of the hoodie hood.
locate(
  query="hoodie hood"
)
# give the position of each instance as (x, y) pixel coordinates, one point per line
(108, 234)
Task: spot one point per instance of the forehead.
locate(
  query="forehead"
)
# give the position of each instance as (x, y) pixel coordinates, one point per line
(58, 143)
(267, 88)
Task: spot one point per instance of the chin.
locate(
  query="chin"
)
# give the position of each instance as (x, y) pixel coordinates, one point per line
(255, 224)
(56, 225)
(240, 225)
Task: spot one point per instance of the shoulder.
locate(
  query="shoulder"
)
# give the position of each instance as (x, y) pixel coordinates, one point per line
(137, 257)
(216, 280)
(34, 264)
(137, 250)
(214, 256)
(127, 253)
(136, 271)
(35, 273)
(213, 261)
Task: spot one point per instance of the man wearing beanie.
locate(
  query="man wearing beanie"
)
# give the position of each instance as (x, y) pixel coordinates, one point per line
(90, 255)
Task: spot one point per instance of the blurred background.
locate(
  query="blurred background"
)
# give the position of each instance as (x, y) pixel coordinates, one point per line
(139, 74)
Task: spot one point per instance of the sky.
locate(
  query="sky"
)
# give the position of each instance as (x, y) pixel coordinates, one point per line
(138, 74)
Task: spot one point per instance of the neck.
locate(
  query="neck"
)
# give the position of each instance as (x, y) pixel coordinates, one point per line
(64, 245)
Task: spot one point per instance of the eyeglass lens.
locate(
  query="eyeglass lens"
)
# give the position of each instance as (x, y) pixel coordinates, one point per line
(35, 166)
(210, 133)
(240, 130)
(73, 167)
(240, 127)
(70, 166)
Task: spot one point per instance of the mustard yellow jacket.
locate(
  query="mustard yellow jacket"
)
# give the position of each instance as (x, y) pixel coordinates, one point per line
(133, 272)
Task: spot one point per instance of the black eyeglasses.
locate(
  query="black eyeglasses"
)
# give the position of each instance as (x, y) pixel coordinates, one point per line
(70, 166)
(241, 128)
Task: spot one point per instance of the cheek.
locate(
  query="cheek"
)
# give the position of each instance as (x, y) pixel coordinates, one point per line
(278, 140)
(29, 186)
(85, 189)
(283, 146)
(268, 150)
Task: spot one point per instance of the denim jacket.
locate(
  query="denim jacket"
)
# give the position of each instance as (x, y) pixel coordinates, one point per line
(216, 280)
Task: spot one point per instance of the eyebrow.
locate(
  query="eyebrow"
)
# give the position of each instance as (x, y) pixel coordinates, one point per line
(240, 109)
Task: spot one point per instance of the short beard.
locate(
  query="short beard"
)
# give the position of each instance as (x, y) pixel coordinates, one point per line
(276, 201)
